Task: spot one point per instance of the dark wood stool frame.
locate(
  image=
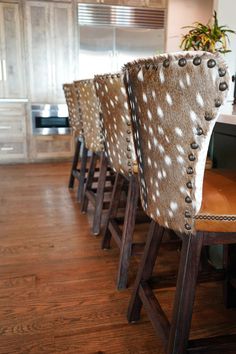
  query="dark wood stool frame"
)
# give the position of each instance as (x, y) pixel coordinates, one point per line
(175, 335)
(79, 173)
(123, 239)
(96, 196)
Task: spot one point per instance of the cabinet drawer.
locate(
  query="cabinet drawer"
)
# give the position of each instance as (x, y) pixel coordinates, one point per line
(12, 126)
(12, 150)
(12, 110)
(54, 146)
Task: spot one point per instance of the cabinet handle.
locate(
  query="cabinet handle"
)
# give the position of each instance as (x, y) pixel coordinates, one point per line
(4, 148)
(7, 127)
(0, 70)
(4, 70)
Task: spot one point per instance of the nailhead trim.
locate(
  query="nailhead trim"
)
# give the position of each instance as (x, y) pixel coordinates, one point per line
(188, 200)
(194, 146)
(197, 61)
(166, 63)
(216, 217)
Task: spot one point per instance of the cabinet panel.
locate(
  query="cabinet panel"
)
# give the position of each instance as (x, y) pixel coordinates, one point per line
(55, 146)
(13, 141)
(12, 150)
(62, 49)
(12, 69)
(37, 21)
(50, 38)
(12, 126)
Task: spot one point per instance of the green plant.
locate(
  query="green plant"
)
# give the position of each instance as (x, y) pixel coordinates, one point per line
(210, 37)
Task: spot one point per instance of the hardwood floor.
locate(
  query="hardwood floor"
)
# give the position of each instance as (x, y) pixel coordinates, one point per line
(57, 287)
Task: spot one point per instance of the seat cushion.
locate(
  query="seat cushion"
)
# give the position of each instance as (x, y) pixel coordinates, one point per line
(218, 209)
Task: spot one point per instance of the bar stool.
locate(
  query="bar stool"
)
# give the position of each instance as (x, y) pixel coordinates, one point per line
(93, 138)
(75, 121)
(175, 100)
(119, 148)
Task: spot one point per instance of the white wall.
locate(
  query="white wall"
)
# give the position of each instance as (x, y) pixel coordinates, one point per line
(226, 11)
(183, 13)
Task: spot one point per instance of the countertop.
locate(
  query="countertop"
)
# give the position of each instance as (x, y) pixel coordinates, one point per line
(12, 100)
(227, 114)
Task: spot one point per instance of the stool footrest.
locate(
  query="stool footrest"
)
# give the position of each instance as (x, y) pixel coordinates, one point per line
(115, 231)
(154, 310)
(169, 280)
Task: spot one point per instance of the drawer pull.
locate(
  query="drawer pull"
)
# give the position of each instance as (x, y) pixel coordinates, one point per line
(6, 127)
(4, 148)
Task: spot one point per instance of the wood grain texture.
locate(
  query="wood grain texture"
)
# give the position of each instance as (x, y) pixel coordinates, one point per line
(57, 287)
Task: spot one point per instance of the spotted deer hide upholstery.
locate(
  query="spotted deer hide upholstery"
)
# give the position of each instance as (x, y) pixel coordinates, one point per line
(89, 109)
(175, 100)
(116, 122)
(73, 109)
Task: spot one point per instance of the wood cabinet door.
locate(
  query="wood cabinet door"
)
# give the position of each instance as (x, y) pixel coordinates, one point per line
(62, 48)
(11, 65)
(50, 37)
(38, 44)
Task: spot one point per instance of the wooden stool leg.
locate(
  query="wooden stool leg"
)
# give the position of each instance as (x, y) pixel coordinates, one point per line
(89, 182)
(82, 174)
(74, 163)
(154, 238)
(185, 293)
(127, 234)
(100, 195)
(112, 212)
(230, 267)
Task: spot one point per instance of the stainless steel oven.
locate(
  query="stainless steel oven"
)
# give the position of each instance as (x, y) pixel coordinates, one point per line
(48, 119)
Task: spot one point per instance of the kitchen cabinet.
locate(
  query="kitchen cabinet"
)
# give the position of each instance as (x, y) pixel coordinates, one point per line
(11, 59)
(53, 147)
(49, 29)
(13, 137)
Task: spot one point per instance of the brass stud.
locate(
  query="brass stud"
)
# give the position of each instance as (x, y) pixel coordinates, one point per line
(211, 63)
(189, 170)
(197, 61)
(217, 103)
(191, 157)
(128, 140)
(188, 200)
(187, 214)
(182, 62)
(166, 63)
(222, 72)
(187, 227)
(194, 146)
(199, 131)
(189, 185)
(223, 86)
(208, 117)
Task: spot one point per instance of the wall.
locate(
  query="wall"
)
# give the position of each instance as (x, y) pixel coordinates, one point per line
(226, 10)
(184, 13)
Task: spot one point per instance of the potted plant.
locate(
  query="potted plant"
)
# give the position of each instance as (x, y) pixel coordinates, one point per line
(210, 37)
